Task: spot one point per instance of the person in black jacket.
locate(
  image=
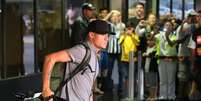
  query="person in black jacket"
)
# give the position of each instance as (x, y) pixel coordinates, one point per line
(79, 27)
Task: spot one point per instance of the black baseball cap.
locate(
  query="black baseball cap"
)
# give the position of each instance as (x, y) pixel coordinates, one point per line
(87, 6)
(99, 27)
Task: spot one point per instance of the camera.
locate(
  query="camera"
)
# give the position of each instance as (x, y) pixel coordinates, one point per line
(164, 29)
(143, 23)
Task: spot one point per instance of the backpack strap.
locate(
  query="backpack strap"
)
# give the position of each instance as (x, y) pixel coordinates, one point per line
(80, 67)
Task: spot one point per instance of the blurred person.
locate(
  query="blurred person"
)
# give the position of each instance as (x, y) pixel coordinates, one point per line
(139, 8)
(197, 68)
(79, 88)
(114, 49)
(151, 69)
(167, 63)
(27, 22)
(170, 16)
(134, 21)
(149, 29)
(79, 27)
(129, 41)
(137, 20)
(103, 12)
(72, 14)
(184, 73)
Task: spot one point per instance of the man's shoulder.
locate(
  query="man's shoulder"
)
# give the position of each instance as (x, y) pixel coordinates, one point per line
(79, 45)
(79, 19)
(133, 18)
(77, 48)
(133, 21)
(83, 46)
(78, 51)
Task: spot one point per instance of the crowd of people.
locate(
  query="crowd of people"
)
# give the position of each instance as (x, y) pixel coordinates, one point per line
(171, 53)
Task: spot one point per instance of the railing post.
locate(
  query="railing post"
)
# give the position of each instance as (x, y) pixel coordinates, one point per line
(140, 78)
(131, 78)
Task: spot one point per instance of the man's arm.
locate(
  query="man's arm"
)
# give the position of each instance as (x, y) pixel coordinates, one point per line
(171, 43)
(91, 98)
(50, 60)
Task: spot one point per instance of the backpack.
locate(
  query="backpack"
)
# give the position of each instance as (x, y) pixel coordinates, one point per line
(80, 68)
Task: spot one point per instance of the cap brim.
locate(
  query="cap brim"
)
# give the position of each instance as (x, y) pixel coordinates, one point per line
(192, 14)
(112, 33)
(102, 33)
(91, 8)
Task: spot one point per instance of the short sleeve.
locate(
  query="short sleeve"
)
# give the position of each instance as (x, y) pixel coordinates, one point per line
(77, 53)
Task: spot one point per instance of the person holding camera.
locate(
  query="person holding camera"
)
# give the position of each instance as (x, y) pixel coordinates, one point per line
(148, 29)
(128, 41)
(196, 36)
(184, 73)
(167, 61)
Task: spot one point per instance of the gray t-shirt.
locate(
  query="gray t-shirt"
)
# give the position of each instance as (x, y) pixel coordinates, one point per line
(183, 50)
(80, 86)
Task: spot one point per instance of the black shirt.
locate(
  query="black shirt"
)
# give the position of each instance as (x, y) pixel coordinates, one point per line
(197, 39)
(79, 30)
(134, 21)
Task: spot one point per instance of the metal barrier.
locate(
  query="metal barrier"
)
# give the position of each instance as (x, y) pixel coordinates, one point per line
(136, 82)
(140, 78)
(131, 76)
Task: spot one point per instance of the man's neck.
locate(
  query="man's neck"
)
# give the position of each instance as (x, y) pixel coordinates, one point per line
(140, 17)
(94, 47)
(85, 17)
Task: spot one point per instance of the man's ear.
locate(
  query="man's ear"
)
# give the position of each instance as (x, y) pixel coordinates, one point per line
(91, 34)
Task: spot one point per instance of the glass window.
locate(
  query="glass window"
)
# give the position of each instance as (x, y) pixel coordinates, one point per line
(19, 39)
(164, 7)
(49, 28)
(177, 8)
(189, 4)
(28, 36)
(14, 31)
(0, 8)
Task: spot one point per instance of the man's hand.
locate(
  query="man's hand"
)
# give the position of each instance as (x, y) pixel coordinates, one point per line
(167, 32)
(91, 98)
(129, 31)
(142, 23)
(47, 93)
